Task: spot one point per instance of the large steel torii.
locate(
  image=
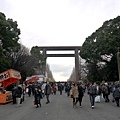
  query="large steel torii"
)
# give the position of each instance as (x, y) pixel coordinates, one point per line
(62, 48)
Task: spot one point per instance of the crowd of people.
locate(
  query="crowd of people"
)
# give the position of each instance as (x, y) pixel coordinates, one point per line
(74, 90)
(95, 92)
(38, 90)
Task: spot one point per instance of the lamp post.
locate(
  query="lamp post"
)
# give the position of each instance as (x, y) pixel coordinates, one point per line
(118, 61)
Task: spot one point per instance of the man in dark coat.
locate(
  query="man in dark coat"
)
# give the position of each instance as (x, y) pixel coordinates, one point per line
(18, 95)
(116, 94)
(14, 90)
(47, 92)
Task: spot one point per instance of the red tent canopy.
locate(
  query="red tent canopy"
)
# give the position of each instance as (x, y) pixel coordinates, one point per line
(32, 79)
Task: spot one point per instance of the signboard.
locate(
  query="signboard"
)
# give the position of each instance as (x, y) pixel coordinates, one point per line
(4, 76)
(15, 74)
(9, 77)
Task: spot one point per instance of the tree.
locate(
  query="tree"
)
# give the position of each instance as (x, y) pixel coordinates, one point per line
(23, 62)
(39, 62)
(99, 50)
(39, 59)
(9, 38)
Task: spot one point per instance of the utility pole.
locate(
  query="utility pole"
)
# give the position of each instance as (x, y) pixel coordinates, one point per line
(118, 61)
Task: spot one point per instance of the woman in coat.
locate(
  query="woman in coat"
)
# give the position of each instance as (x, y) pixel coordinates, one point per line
(74, 94)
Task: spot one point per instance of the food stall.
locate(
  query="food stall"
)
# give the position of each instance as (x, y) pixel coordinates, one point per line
(7, 78)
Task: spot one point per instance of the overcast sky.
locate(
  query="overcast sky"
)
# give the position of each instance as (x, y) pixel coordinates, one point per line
(59, 23)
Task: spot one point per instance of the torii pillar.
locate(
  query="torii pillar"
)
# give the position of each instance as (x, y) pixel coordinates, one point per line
(44, 67)
(76, 65)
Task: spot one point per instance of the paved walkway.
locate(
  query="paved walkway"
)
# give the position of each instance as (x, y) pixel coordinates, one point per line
(60, 108)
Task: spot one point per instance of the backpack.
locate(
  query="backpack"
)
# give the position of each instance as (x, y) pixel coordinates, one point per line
(106, 90)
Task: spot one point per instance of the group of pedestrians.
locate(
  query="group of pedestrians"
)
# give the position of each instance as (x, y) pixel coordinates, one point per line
(39, 90)
(95, 92)
(18, 93)
(105, 90)
(74, 90)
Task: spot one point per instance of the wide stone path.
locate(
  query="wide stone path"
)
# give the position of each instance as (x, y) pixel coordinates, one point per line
(60, 108)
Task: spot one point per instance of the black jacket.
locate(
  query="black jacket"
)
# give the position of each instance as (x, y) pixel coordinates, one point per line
(19, 92)
(80, 91)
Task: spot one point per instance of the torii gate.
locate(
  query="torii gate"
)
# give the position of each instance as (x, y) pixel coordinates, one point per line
(62, 48)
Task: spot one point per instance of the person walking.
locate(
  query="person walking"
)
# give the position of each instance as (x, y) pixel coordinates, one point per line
(47, 92)
(116, 94)
(68, 87)
(106, 92)
(14, 90)
(29, 89)
(98, 92)
(74, 94)
(81, 93)
(18, 95)
(60, 88)
(92, 93)
(38, 96)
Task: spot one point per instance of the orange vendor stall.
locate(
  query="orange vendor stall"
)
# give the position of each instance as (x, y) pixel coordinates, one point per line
(7, 78)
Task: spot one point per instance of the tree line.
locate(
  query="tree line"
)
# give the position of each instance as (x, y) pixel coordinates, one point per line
(100, 52)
